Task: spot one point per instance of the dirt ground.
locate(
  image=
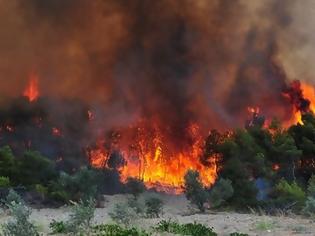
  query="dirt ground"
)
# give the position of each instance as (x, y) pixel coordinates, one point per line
(177, 208)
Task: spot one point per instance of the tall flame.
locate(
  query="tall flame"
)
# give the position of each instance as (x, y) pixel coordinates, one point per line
(32, 91)
(153, 162)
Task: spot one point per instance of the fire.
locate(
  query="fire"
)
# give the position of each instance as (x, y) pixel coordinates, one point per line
(32, 91)
(56, 132)
(302, 96)
(152, 160)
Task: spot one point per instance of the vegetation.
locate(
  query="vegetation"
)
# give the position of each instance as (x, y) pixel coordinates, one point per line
(106, 229)
(194, 190)
(192, 229)
(58, 227)
(221, 192)
(124, 215)
(135, 187)
(4, 182)
(19, 225)
(154, 207)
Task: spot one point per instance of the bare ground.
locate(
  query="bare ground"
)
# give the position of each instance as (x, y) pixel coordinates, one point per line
(177, 208)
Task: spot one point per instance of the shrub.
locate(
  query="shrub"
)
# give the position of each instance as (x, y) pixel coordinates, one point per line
(81, 217)
(192, 229)
(194, 189)
(123, 215)
(35, 169)
(107, 229)
(4, 182)
(58, 227)
(289, 195)
(238, 234)
(135, 186)
(135, 204)
(154, 207)
(42, 190)
(20, 224)
(309, 208)
(13, 197)
(81, 185)
(220, 192)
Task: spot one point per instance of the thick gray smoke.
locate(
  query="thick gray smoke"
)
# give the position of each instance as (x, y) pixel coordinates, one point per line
(170, 62)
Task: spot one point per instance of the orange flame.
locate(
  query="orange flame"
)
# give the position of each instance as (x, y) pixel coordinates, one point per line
(32, 91)
(158, 166)
(308, 93)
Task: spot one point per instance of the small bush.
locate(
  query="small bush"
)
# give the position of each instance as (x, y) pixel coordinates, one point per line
(19, 225)
(81, 217)
(192, 229)
(135, 186)
(4, 182)
(13, 197)
(154, 207)
(124, 215)
(309, 208)
(194, 189)
(238, 234)
(116, 230)
(220, 192)
(289, 195)
(137, 205)
(58, 227)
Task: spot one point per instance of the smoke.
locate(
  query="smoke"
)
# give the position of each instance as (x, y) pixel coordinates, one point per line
(170, 62)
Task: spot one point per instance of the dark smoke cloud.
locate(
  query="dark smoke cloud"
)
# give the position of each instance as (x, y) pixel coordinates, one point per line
(171, 62)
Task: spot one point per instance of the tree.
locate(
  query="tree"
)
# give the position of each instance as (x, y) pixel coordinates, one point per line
(194, 190)
(135, 186)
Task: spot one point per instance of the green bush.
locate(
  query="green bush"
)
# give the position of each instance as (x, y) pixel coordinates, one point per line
(135, 186)
(35, 169)
(58, 227)
(81, 185)
(116, 230)
(124, 215)
(289, 195)
(19, 225)
(154, 207)
(137, 205)
(192, 229)
(309, 208)
(8, 165)
(4, 182)
(13, 197)
(194, 189)
(81, 217)
(220, 192)
(238, 234)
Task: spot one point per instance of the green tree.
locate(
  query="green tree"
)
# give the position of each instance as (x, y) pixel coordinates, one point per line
(194, 190)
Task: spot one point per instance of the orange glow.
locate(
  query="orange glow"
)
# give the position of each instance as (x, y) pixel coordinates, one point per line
(308, 93)
(275, 167)
(56, 132)
(32, 91)
(152, 160)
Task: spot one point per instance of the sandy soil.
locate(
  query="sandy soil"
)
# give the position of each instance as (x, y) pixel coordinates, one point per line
(177, 208)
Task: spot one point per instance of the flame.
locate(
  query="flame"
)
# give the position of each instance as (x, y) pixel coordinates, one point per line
(151, 160)
(32, 91)
(309, 94)
(56, 132)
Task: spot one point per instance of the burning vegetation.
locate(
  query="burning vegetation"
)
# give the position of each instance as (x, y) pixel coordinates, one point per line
(153, 89)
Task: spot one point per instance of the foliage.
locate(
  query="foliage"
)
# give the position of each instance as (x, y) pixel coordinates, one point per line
(238, 234)
(13, 197)
(7, 163)
(135, 186)
(81, 185)
(309, 208)
(35, 169)
(264, 225)
(124, 215)
(81, 217)
(116, 230)
(58, 227)
(4, 181)
(154, 207)
(194, 190)
(192, 229)
(135, 204)
(20, 224)
(289, 195)
(220, 192)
